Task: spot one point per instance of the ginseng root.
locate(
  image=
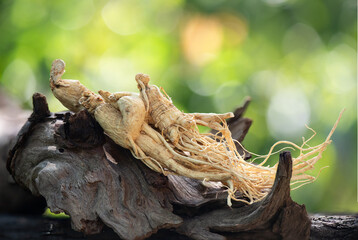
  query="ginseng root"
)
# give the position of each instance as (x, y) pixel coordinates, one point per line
(68, 92)
(168, 140)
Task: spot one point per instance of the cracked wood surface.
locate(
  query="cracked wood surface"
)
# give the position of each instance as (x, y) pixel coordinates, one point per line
(68, 160)
(31, 227)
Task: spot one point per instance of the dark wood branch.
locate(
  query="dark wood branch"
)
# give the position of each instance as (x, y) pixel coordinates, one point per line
(18, 227)
(40, 108)
(13, 198)
(277, 215)
(239, 126)
(334, 227)
(80, 131)
(68, 160)
(40, 112)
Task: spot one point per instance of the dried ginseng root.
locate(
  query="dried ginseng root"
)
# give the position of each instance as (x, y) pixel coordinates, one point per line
(219, 150)
(68, 92)
(168, 140)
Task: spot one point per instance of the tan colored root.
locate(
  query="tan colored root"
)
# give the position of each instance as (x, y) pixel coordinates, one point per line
(117, 124)
(168, 141)
(215, 158)
(219, 153)
(208, 154)
(67, 91)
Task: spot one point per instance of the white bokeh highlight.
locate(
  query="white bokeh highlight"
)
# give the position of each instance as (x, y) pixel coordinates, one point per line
(123, 17)
(287, 114)
(77, 16)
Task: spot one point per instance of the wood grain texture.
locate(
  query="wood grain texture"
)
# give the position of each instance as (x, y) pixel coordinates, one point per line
(13, 198)
(19, 227)
(69, 161)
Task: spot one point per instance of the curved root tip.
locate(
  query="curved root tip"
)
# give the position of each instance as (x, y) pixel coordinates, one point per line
(228, 202)
(58, 66)
(57, 70)
(230, 192)
(143, 78)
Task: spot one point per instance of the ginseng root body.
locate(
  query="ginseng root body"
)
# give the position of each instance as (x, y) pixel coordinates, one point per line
(125, 124)
(170, 120)
(68, 92)
(168, 140)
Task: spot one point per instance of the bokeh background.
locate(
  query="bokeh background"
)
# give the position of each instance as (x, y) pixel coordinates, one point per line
(295, 58)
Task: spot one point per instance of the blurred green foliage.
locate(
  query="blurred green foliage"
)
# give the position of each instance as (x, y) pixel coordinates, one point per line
(295, 58)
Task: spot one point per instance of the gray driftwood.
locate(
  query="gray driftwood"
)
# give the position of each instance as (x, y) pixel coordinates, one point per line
(68, 160)
(13, 199)
(19, 227)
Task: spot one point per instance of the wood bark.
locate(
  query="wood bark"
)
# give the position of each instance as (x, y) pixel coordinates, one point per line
(19, 227)
(13, 198)
(68, 160)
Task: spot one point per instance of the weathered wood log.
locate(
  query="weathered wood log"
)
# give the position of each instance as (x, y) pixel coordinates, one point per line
(19, 227)
(68, 160)
(13, 198)
(334, 226)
